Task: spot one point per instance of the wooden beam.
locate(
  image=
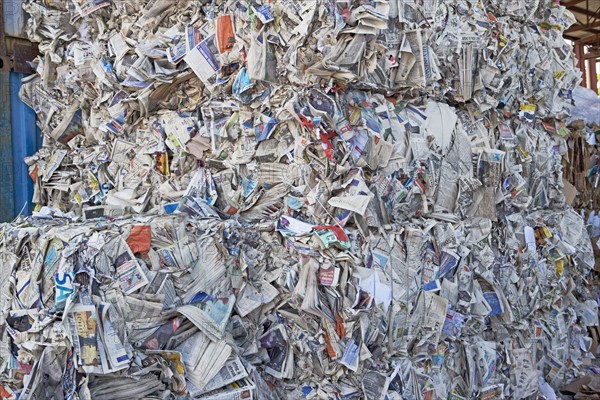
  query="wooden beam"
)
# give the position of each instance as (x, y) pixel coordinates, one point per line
(577, 28)
(581, 63)
(571, 3)
(4, 59)
(584, 11)
(21, 51)
(593, 55)
(590, 39)
(591, 64)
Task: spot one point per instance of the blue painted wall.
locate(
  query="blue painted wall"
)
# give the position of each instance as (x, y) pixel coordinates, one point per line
(27, 139)
(19, 137)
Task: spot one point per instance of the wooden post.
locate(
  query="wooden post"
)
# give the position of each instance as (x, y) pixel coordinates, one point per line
(580, 62)
(593, 74)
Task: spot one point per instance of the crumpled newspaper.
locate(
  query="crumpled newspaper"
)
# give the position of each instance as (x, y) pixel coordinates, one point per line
(177, 307)
(132, 97)
(298, 199)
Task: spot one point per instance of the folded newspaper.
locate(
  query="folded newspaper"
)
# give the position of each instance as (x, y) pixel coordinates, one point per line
(298, 199)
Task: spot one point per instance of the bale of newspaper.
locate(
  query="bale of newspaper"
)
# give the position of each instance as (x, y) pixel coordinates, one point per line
(298, 199)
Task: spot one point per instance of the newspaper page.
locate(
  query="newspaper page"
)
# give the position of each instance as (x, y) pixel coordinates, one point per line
(83, 328)
(232, 371)
(204, 61)
(210, 315)
(429, 315)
